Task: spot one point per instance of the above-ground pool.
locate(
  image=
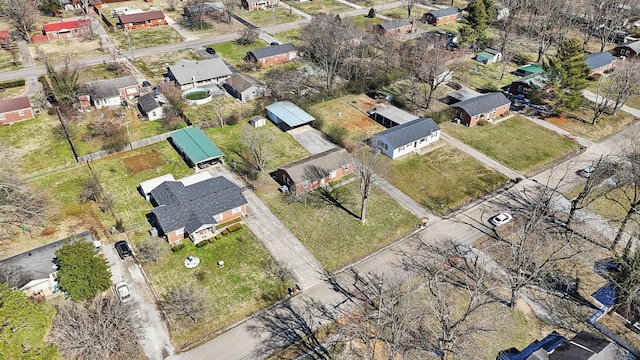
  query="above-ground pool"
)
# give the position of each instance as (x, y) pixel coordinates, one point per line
(196, 96)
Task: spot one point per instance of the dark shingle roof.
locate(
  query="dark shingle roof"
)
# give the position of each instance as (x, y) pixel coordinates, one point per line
(444, 12)
(394, 24)
(194, 205)
(272, 50)
(483, 103)
(147, 103)
(597, 60)
(242, 82)
(105, 89)
(328, 160)
(414, 130)
(635, 46)
(186, 71)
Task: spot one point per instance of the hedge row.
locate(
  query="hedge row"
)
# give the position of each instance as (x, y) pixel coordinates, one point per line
(12, 83)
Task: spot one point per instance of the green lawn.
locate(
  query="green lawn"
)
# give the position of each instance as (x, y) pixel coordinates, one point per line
(265, 18)
(37, 144)
(516, 142)
(96, 72)
(144, 38)
(401, 13)
(285, 148)
(364, 23)
(334, 236)
(7, 63)
(242, 287)
(453, 27)
(319, 7)
(444, 179)
(288, 36)
(234, 52)
(480, 77)
(155, 66)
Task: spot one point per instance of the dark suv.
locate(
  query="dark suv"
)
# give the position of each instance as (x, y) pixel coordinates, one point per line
(123, 249)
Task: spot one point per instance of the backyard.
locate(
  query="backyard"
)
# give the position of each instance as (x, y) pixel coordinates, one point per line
(516, 142)
(234, 53)
(288, 36)
(246, 283)
(443, 179)
(483, 78)
(8, 62)
(154, 67)
(333, 233)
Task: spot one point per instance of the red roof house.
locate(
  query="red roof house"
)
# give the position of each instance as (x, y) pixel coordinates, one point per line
(66, 29)
(142, 20)
(5, 38)
(14, 110)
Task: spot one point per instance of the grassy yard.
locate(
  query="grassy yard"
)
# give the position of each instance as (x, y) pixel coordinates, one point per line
(364, 23)
(483, 77)
(444, 179)
(241, 287)
(96, 72)
(7, 63)
(264, 18)
(45, 150)
(57, 50)
(401, 13)
(285, 148)
(288, 36)
(607, 125)
(452, 27)
(335, 236)
(319, 7)
(234, 52)
(155, 66)
(517, 143)
(144, 38)
(208, 112)
(355, 120)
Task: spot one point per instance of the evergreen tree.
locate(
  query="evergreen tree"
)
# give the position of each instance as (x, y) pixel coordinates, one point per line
(82, 273)
(478, 19)
(625, 277)
(489, 9)
(572, 73)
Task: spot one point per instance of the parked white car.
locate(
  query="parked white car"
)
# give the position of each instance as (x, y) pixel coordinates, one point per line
(586, 172)
(500, 219)
(122, 289)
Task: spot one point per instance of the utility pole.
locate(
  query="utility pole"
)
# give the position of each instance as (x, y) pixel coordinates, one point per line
(129, 41)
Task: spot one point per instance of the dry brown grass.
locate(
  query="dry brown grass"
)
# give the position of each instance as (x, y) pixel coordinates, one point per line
(57, 50)
(347, 112)
(145, 161)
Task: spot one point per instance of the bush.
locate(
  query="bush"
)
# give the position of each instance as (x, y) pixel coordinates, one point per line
(489, 87)
(482, 122)
(12, 83)
(522, 59)
(51, 111)
(235, 227)
(337, 135)
(225, 232)
(202, 244)
(317, 124)
(200, 275)
(217, 237)
(177, 247)
(595, 77)
(399, 101)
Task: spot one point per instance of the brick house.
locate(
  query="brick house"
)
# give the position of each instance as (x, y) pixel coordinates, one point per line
(68, 29)
(244, 87)
(141, 20)
(600, 62)
(14, 110)
(259, 4)
(195, 207)
(315, 171)
(272, 55)
(537, 81)
(395, 27)
(442, 16)
(484, 107)
(5, 38)
(209, 9)
(627, 50)
(108, 92)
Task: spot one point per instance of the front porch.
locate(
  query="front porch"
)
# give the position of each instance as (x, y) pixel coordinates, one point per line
(203, 235)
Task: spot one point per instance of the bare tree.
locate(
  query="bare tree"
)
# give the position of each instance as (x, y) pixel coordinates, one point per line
(549, 22)
(104, 328)
(85, 6)
(628, 195)
(601, 103)
(14, 276)
(196, 13)
(248, 36)
(185, 302)
(366, 164)
(64, 79)
(410, 4)
(508, 28)
(173, 95)
(258, 143)
(171, 5)
(22, 15)
(624, 83)
(151, 249)
(593, 189)
(91, 190)
(229, 8)
(20, 206)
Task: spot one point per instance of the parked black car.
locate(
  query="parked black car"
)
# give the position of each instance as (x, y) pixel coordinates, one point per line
(211, 51)
(123, 249)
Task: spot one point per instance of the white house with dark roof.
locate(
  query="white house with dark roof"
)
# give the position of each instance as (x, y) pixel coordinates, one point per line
(482, 108)
(150, 108)
(109, 93)
(198, 210)
(188, 74)
(406, 138)
(244, 87)
(600, 62)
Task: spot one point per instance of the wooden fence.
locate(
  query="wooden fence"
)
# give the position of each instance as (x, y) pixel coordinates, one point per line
(133, 145)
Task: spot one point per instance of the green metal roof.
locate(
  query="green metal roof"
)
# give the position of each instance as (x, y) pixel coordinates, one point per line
(531, 68)
(195, 145)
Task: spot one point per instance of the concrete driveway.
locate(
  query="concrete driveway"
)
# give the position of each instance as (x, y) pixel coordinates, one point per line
(155, 341)
(311, 139)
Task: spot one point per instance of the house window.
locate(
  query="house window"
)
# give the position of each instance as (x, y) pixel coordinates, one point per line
(305, 184)
(20, 113)
(180, 231)
(423, 140)
(236, 210)
(131, 91)
(54, 33)
(346, 167)
(1, 117)
(75, 31)
(153, 113)
(217, 217)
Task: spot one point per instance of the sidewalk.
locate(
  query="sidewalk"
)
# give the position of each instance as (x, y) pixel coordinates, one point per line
(185, 34)
(593, 97)
(582, 141)
(296, 11)
(416, 209)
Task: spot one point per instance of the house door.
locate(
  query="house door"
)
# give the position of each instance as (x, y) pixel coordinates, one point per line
(415, 144)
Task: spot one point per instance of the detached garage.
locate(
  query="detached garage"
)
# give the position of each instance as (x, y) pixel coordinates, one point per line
(195, 147)
(287, 115)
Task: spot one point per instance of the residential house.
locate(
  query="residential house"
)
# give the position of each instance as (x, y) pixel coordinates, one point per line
(141, 20)
(198, 210)
(627, 50)
(209, 9)
(406, 138)
(489, 56)
(315, 171)
(15, 109)
(272, 55)
(287, 115)
(583, 346)
(390, 116)
(189, 74)
(482, 108)
(442, 16)
(395, 27)
(529, 69)
(259, 4)
(195, 147)
(538, 81)
(599, 63)
(150, 108)
(5, 38)
(108, 92)
(67, 29)
(244, 87)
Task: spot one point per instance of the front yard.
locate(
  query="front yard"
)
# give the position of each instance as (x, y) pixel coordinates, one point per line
(317, 7)
(144, 38)
(244, 285)
(516, 142)
(234, 53)
(265, 18)
(444, 179)
(334, 235)
(154, 67)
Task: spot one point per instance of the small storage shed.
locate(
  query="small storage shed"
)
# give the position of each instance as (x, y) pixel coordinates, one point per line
(257, 121)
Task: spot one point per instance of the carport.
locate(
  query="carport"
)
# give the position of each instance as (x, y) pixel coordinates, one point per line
(195, 147)
(286, 115)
